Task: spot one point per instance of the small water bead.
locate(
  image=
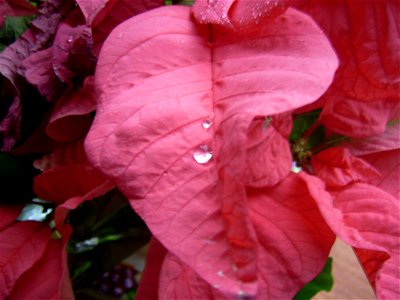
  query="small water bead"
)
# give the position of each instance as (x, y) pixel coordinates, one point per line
(221, 273)
(208, 122)
(202, 154)
(295, 168)
(69, 39)
(241, 294)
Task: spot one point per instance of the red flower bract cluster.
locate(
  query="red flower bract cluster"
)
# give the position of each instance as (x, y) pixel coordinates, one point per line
(194, 110)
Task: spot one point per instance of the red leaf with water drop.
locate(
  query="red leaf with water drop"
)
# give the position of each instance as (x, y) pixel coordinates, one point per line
(241, 15)
(366, 218)
(366, 87)
(157, 90)
(103, 16)
(293, 243)
(21, 246)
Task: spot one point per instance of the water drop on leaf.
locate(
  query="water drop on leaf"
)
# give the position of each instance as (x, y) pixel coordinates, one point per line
(202, 154)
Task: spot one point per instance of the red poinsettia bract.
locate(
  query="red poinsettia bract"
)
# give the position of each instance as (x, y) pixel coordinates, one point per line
(176, 128)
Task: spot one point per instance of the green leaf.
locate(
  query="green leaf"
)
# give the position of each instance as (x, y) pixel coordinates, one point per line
(12, 28)
(301, 123)
(323, 282)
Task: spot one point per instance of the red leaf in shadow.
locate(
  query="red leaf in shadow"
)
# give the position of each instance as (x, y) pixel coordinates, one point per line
(62, 183)
(70, 118)
(49, 276)
(21, 246)
(8, 214)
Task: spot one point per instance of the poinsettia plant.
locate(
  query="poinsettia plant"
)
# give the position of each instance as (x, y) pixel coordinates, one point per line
(241, 137)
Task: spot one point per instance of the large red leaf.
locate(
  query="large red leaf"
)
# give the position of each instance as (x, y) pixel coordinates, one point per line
(366, 87)
(293, 243)
(389, 140)
(8, 214)
(70, 118)
(148, 287)
(337, 167)
(71, 153)
(294, 239)
(160, 90)
(60, 184)
(366, 218)
(104, 15)
(388, 164)
(21, 246)
(268, 151)
(240, 15)
(382, 152)
(49, 277)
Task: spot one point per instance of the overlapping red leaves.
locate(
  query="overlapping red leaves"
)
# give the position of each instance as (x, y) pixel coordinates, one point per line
(193, 112)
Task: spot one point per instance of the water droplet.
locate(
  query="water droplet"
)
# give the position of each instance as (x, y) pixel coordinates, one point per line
(120, 35)
(215, 286)
(221, 273)
(295, 168)
(241, 294)
(165, 173)
(69, 39)
(234, 268)
(181, 41)
(208, 122)
(202, 154)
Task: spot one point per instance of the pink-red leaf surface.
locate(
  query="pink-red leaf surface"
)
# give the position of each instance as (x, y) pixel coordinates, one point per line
(388, 164)
(21, 246)
(293, 243)
(104, 15)
(366, 87)
(366, 218)
(160, 87)
(240, 15)
(386, 141)
(337, 167)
